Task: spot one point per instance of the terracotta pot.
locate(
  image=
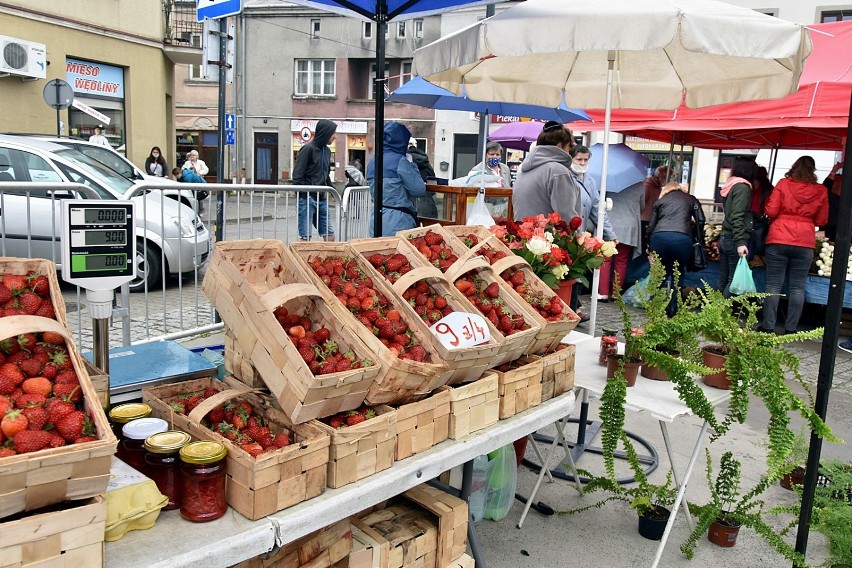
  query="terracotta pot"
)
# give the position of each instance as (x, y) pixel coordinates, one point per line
(715, 360)
(631, 368)
(565, 288)
(795, 477)
(723, 533)
(520, 449)
(655, 373)
(653, 524)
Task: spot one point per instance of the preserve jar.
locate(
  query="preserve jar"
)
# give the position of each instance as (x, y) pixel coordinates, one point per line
(609, 345)
(162, 463)
(120, 415)
(133, 445)
(203, 468)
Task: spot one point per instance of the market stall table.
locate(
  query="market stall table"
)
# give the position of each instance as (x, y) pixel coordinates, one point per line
(174, 542)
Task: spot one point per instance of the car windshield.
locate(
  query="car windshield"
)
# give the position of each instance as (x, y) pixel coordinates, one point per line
(116, 181)
(105, 156)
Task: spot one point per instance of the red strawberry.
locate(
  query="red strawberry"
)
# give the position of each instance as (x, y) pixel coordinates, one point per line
(40, 285)
(296, 331)
(433, 238)
(418, 353)
(336, 422)
(355, 418)
(6, 452)
(58, 408)
(307, 354)
(15, 282)
(37, 417)
(56, 441)
(282, 440)
(27, 400)
(70, 426)
(5, 294)
(31, 441)
(208, 392)
(10, 377)
(84, 439)
(37, 385)
(216, 415)
(32, 367)
(253, 448)
(49, 371)
(72, 392)
(29, 302)
(191, 403)
(27, 341)
(492, 290)
(67, 377)
(14, 421)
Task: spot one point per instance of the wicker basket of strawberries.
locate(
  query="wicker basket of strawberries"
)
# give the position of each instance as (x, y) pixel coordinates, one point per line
(427, 295)
(29, 286)
(55, 441)
(285, 335)
(410, 366)
(272, 462)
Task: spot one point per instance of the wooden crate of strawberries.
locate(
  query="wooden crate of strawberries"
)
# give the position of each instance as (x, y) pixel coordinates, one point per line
(285, 334)
(554, 317)
(427, 295)
(362, 443)
(473, 406)
(57, 443)
(557, 371)
(410, 366)
(422, 424)
(29, 286)
(519, 385)
(272, 462)
(324, 548)
(65, 535)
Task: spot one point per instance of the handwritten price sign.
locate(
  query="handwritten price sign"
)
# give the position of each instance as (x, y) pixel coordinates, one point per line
(460, 329)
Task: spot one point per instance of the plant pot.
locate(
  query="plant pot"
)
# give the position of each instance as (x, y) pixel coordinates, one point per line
(565, 289)
(795, 477)
(714, 357)
(631, 368)
(723, 533)
(652, 524)
(655, 373)
(520, 448)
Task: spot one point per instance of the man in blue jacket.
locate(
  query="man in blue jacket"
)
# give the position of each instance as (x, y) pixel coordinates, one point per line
(313, 167)
(401, 185)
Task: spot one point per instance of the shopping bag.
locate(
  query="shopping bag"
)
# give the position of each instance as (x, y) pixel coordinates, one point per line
(743, 282)
(478, 213)
(501, 483)
(638, 294)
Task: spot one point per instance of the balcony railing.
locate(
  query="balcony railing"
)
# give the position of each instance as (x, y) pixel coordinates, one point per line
(181, 23)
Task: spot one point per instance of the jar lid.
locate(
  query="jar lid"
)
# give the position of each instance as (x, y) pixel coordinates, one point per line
(167, 442)
(608, 331)
(203, 452)
(124, 413)
(141, 428)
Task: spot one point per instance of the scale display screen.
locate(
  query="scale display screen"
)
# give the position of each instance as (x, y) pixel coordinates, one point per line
(98, 262)
(98, 237)
(98, 244)
(99, 215)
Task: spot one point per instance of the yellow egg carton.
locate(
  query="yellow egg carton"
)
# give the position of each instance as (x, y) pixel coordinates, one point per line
(133, 501)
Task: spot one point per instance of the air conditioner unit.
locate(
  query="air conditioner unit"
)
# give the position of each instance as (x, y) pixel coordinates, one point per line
(23, 58)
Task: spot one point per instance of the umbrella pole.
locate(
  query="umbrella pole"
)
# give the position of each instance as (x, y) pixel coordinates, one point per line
(379, 146)
(596, 277)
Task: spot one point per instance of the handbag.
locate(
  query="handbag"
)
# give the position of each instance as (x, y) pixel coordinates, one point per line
(758, 235)
(698, 260)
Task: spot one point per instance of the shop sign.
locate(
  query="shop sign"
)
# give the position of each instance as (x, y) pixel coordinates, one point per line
(343, 126)
(645, 145)
(87, 77)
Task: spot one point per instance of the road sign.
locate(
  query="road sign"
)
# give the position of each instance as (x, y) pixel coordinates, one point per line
(230, 138)
(58, 94)
(306, 134)
(230, 121)
(214, 9)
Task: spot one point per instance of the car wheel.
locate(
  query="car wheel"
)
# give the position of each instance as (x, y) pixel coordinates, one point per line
(148, 267)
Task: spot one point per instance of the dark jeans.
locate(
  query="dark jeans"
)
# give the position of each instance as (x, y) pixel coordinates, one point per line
(791, 263)
(671, 247)
(728, 258)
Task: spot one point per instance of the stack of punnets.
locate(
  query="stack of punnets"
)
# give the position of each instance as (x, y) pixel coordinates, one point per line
(248, 283)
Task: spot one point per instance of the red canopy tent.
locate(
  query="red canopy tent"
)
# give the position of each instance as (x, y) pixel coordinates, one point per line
(815, 117)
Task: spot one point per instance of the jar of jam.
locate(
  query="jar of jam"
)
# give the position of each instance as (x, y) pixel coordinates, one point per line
(609, 345)
(162, 463)
(203, 468)
(120, 415)
(133, 445)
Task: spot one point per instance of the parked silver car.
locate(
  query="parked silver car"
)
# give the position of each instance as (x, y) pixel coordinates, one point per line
(171, 239)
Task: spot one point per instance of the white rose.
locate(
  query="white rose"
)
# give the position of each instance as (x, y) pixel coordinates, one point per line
(538, 246)
(608, 249)
(560, 271)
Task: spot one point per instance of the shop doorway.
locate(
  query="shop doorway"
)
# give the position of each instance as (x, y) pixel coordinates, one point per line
(466, 154)
(266, 158)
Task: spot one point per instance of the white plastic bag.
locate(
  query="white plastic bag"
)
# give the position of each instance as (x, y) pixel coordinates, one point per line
(478, 488)
(478, 213)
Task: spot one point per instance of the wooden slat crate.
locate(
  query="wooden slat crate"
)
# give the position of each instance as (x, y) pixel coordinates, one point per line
(100, 382)
(473, 406)
(66, 535)
(520, 387)
(463, 561)
(422, 424)
(557, 373)
(366, 552)
(399, 380)
(324, 548)
(246, 282)
(77, 471)
(239, 364)
(551, 330)
(361, 450)
(464, 364)
(256, 486)
(404, 534)
(23, 266)
(452, 514)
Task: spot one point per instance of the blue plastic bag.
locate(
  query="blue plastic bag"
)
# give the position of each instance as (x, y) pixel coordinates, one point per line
(638, 294)
(743, 281)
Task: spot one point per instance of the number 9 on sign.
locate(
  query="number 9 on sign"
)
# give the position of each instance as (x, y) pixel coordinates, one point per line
(460, 329)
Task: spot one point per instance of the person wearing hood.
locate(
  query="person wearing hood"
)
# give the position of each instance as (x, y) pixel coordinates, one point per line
(738, 222)
(313, 167)
(426, 206)
(401, 184)
(545, 184)
(796, 206)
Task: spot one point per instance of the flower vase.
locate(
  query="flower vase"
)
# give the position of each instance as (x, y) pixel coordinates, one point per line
(564, 290)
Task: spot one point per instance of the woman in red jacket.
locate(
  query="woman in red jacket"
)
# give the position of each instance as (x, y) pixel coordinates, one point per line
(797, 206)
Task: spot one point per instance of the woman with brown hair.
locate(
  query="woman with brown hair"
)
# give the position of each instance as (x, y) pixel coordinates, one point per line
(796, 206)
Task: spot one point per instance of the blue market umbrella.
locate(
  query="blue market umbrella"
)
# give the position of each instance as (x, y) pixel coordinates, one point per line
(626, 166)
(421, 92)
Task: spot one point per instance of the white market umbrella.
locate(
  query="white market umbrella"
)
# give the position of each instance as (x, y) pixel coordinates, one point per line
(640, 54)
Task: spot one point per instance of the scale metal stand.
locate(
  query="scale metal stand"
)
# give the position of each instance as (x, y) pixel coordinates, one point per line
(99, 254)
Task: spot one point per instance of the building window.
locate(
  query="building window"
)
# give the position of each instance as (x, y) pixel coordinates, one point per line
(196, 72)
(367, 30)
(373, 88)
(400, 30)
(315, 77)
(404, 73)
(836, 16)
(418, 28)
(315, 29)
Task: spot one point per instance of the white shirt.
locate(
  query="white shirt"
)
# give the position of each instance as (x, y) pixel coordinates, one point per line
(100, 139)
(199, 166)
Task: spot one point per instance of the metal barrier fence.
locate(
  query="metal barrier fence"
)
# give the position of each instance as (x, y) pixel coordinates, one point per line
(174, 244)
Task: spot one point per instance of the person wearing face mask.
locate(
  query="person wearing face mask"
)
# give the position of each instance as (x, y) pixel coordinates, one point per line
(493, 164)
(155, 164)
